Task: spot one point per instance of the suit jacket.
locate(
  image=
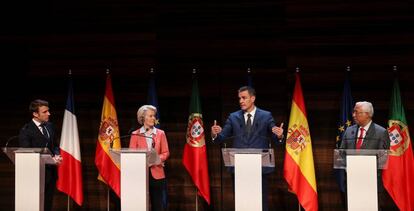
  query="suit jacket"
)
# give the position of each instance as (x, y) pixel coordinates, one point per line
(31, 136)
(235, 128)
(376, 138)
(161, 147)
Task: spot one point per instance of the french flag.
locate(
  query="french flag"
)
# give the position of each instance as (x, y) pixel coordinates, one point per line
(70, 170)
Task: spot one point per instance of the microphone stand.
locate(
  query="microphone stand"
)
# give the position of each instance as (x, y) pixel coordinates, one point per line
(9, 139)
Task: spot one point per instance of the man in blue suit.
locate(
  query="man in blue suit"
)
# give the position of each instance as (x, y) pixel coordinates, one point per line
(250, 127)
(39, 132)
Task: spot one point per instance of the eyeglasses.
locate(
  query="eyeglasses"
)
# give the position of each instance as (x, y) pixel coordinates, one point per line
(358, 112)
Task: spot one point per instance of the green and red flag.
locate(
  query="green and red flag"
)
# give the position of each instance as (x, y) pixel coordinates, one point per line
(398, 177)
(195, 150)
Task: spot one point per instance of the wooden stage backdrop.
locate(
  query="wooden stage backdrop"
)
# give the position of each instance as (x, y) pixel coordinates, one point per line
(40, 41)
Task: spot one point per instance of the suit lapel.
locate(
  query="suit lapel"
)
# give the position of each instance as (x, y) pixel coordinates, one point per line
(354, 133)
(155, 139)
(240, 117)
(256, 121)
(142, 139)
(243, 132)
(43, 140)
(368, 136)
(36, 129)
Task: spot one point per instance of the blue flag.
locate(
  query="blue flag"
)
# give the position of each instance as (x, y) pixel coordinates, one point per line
(249, 78)
(345, 117)
(153, 98)
(345, 120)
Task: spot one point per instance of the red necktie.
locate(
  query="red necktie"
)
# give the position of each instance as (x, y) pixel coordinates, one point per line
(361, 136)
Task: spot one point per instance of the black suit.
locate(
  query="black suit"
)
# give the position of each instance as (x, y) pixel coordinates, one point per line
(31, 136)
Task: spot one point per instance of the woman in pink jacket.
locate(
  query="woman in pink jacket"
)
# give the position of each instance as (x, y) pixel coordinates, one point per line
(148, 137)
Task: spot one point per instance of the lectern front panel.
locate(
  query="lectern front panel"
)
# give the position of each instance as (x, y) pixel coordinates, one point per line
(134, 181)
(28, 188)
(248, 182)
(362, 182)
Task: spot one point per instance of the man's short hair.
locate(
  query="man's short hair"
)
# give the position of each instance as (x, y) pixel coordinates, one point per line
(367, 107)
(249, 89)
(35, 104)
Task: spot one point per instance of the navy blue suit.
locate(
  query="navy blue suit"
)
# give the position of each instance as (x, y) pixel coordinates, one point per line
(235, 128)
(31, 137)
(261, 131)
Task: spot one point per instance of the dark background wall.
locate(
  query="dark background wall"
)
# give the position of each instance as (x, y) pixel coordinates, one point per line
(41, 41)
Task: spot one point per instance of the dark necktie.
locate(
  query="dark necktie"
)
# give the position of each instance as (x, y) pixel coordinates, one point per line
(44, 130)
(249, 123)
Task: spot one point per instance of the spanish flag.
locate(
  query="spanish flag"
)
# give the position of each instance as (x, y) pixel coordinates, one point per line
(299, 170)
(108, 138)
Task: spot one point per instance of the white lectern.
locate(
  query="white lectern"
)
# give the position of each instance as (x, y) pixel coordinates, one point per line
(134, 177)
(29, 176)
(361, 167)
(248, 165)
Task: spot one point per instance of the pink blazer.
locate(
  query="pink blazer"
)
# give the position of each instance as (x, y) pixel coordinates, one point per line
(161, 147)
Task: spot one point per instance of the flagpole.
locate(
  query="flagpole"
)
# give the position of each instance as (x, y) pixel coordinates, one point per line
(68, 203)
(249, 77)
(107, 198)
(107, 187)
(195, 146)
(196, 200)
(70, 74)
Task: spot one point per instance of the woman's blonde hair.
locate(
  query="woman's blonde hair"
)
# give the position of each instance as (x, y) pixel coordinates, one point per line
(142, 111)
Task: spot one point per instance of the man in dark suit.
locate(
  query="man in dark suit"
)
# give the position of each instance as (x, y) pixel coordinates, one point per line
(250, 127)
(365, 134)
(39, 132)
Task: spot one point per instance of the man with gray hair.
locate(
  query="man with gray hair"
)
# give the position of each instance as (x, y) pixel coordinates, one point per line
(365, 134)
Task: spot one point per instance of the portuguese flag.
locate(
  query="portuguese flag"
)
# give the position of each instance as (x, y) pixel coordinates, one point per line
(398, 177)
(299, 170)
(195, 150)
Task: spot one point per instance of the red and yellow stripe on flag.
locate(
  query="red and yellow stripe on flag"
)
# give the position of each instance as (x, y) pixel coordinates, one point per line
(299, 170)
(109, 170)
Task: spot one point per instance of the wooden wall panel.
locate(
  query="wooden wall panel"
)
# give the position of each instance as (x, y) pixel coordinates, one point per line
(41, 41)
